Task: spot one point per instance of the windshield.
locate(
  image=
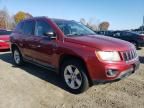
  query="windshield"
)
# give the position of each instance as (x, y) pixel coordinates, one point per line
(72, 28)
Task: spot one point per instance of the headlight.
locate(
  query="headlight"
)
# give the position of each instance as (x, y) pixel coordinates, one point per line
(2, 41)
(108, 55)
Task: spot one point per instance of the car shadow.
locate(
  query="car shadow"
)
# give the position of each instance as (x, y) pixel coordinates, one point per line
(36, 71)
(138, 48)
(141, 58)
(4, 50)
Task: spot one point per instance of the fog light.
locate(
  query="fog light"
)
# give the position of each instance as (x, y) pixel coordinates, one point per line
(111, 72)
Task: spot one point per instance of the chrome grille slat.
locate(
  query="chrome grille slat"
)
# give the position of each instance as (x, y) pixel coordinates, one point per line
(133, 54)
(129, 55)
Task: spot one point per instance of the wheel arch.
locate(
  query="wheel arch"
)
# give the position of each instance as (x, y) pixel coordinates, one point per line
(65, 57)
(13, 46)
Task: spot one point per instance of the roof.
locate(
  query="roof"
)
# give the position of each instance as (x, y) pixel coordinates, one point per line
(44, 17)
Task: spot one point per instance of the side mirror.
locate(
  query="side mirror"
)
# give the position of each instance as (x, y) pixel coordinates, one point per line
(52, 35)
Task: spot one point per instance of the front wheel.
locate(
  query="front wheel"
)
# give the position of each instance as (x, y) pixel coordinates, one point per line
(74, 76)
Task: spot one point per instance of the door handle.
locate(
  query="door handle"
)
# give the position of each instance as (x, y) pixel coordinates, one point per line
(35, 46)
(38, 46)
(32, 46)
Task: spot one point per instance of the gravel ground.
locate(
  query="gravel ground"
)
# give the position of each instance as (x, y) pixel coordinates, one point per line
(32, 87)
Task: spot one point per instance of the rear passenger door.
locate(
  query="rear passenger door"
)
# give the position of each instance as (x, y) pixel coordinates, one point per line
(27, 38)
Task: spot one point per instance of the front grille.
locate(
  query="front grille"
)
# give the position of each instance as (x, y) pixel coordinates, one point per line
(129, 55)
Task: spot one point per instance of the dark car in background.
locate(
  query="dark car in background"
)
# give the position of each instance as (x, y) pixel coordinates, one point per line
(135, 38)
(106, 33)
(4, 39)
(132, 37)
(141, 32)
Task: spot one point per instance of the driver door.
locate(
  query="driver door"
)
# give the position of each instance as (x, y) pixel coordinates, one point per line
(44, 46)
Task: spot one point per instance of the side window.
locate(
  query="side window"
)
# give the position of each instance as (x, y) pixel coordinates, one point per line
(117, 34)
(123, 33)
(42, 27)
(126, 34)
(28, 27)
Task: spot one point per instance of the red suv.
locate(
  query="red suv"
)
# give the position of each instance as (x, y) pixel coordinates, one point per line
(69, 48)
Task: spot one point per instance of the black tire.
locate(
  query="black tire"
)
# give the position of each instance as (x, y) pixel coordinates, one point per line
(20, 61)
(84, 79)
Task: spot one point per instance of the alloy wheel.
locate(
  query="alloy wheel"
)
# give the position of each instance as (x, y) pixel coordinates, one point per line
(73, 77)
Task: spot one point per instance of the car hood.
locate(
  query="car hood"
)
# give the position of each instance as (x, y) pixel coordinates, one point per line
(4, 37)
(101, 42)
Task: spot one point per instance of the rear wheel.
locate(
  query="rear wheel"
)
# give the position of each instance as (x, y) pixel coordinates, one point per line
(18, 60)
(74, 76)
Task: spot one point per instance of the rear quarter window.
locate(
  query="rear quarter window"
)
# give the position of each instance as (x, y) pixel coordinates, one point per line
(28, 28)
(25, 27)
(19, 27)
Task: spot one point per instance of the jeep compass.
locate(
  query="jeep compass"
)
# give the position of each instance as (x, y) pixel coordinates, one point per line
(75, 52)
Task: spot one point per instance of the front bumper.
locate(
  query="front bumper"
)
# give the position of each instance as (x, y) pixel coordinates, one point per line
(122, 74)
(98, 70)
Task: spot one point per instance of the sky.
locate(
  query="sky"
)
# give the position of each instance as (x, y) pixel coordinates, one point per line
(121, 14)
